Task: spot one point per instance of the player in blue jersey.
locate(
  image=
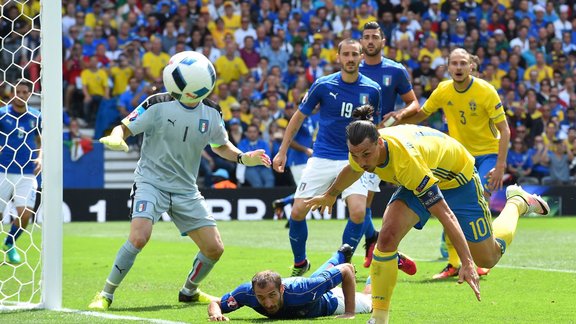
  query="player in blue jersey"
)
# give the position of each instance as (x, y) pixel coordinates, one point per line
(297, 297)
(337, 95)
(20, 161)
(165, 182)
(394, 81)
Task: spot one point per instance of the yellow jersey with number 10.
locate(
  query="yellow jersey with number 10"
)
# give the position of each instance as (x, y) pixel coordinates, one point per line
(419, 157)
(471, 115)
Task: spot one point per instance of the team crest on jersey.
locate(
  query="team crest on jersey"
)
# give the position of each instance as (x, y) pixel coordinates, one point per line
(33, 124)
(232, 303)
(386, 80)
(364, 98)
(203, 126)
(141, 206)
(472, 105)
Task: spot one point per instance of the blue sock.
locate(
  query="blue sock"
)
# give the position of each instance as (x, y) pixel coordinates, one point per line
(288, 199)
(298, 234)
(336, 259)
(14, 234)
(369, 230)
(352, 233)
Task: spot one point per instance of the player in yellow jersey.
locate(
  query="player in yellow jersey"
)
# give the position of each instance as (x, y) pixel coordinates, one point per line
(476, 118)
(435, 175)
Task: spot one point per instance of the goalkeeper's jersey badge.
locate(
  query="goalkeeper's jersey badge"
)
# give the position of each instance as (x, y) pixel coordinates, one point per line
(203, 126)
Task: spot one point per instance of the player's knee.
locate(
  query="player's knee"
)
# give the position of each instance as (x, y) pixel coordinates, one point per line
(488, 260)
(388, 240)
(357, 215)
(139, 240)
(214, 252)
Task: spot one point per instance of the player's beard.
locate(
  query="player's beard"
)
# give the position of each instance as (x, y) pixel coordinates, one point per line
(372, 52)
(350, 69)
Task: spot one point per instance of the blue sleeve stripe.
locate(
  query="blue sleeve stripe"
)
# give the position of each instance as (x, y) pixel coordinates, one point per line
(319, 285)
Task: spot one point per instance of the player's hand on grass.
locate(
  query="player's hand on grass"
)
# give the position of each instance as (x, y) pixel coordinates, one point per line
(321, 203)
(115, 143)
(256, 157)
(346, 316)
(468, 273)
(218, 318)
(279, 162)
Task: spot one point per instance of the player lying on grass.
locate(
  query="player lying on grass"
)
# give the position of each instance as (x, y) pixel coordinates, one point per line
(435, 175)
(298, 297)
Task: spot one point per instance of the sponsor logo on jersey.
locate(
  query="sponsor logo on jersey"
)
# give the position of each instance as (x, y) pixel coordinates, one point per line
(203, 126)
(450, 103)
(232, 303)
(141, 206)
(423, 184)
(386, 80)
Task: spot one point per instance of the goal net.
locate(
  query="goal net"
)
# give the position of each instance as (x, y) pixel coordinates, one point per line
(30, 140)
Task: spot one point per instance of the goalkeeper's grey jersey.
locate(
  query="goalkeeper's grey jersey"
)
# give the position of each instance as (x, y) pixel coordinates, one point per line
(174, 137)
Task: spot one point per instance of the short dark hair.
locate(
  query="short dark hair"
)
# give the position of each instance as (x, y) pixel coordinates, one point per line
(263, 278)
(23, 82)
(373, 25)
(362, 127)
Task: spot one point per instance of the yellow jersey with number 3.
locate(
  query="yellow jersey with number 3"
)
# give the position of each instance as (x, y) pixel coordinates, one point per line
(471, 115)
(419, 157)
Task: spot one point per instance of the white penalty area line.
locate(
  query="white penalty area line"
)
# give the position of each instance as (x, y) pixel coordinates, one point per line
(513, 267)
(117, 317)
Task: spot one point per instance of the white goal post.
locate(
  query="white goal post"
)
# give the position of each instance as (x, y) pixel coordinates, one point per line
(52, 174)
(34, 281)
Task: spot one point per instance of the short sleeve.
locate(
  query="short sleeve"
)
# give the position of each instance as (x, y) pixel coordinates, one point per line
(433, 103)
(311, 99)
(218, 136)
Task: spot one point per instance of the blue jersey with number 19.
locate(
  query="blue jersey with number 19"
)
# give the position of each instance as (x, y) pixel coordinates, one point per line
(337, 100)
(392, 77)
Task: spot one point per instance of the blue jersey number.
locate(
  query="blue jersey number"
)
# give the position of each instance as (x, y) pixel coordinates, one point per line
(346, 109)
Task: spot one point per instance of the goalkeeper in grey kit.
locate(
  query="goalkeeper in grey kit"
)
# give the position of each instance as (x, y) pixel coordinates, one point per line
(175, 133)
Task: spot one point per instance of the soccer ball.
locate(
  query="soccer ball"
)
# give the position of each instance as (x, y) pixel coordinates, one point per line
(189, 77)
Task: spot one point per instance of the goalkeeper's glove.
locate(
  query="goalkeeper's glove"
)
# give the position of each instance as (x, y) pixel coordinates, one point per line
(115, 143)
(253, 158)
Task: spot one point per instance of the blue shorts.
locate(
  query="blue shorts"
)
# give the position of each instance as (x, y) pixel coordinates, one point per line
(485, 163)
(467, 202)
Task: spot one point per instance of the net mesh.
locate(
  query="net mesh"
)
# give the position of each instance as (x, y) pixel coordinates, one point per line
(19, 69)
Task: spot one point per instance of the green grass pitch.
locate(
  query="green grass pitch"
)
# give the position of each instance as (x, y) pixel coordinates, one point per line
(535, 282)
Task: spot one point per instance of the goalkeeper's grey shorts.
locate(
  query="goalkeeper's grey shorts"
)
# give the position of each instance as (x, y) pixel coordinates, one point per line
(188, 211)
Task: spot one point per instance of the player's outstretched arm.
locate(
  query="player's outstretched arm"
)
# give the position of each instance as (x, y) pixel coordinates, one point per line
(345, 179)
(348, 289)
(252, 158)
(291, 130)
(115, 141)
(215, 312)
(468, 270)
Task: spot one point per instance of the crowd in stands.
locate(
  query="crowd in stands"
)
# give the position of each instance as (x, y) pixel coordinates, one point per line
(268, 52)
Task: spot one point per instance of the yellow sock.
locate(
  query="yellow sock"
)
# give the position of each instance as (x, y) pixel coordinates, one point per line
(505, 225)
(384, 272)
(453, 258)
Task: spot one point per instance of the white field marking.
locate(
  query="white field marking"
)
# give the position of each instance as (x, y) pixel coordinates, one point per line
(118, 317)
(512, 267)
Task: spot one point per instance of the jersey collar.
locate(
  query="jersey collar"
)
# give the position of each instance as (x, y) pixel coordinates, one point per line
(468, 87)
